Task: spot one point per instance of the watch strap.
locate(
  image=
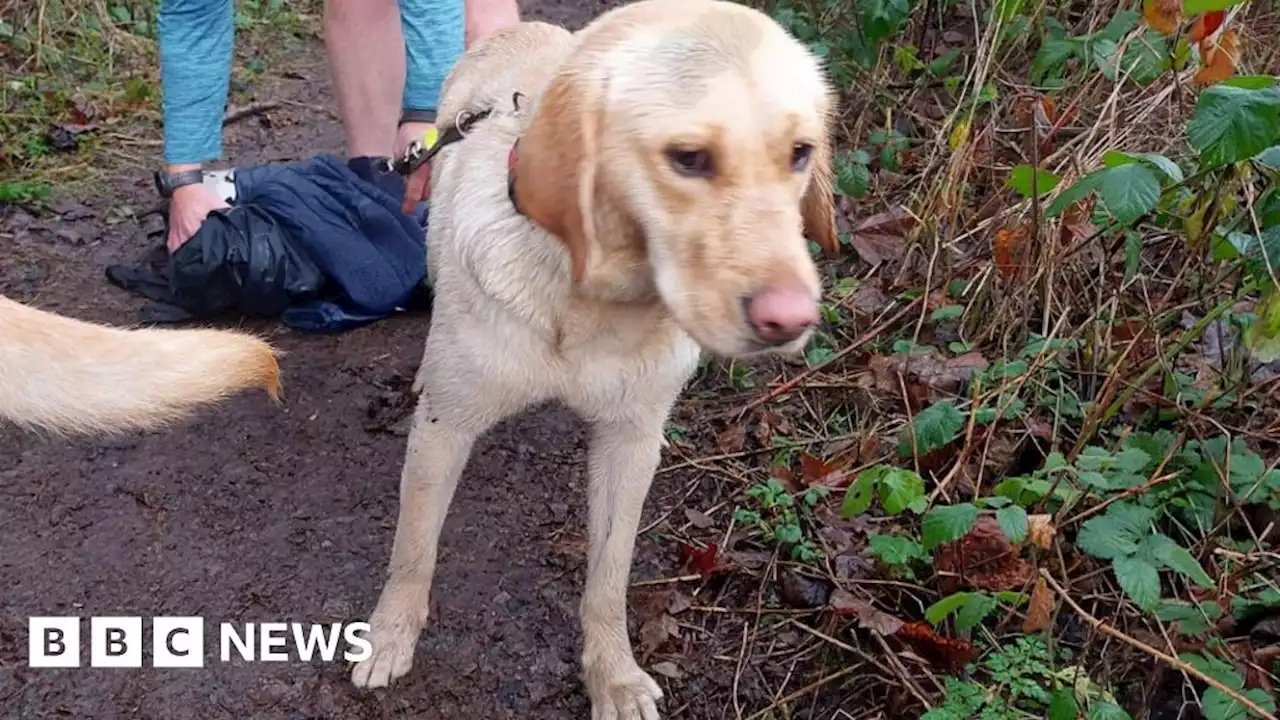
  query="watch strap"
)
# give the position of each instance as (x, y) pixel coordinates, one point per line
(408, 115)
(167, 182)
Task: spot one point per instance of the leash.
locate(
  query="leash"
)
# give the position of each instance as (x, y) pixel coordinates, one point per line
(421, 151)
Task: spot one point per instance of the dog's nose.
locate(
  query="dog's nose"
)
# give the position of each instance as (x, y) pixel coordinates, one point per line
(779, 315)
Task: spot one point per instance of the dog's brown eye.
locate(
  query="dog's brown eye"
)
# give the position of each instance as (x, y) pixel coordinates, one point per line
(800, 156)
(692, 163)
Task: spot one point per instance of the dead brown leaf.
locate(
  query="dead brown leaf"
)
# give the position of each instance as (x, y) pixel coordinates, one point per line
(1076, 221)
(953, 654)
(656, 632)
(1039, 608)
(1040, 530)
(869, 617)
(1163, 15)
(928, 375)
(815, 471)
(881, 236)
(801, 592)
(770, 425)
(1218, 60)
(983, 559)
(732, 439)
(700, 520)
(1009, 246)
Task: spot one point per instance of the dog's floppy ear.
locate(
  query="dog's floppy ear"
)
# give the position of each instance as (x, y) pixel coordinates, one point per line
(818, 207)
(556, 165)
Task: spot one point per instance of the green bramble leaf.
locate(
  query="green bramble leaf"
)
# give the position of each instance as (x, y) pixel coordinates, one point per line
(1013, 521)
(1235, 120)
(935, 427)
(1139, 579)
(947, 523)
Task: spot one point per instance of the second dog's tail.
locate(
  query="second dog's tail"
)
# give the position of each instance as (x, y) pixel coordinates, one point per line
(69, 376)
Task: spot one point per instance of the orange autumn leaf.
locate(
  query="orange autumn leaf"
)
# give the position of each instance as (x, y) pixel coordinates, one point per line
(1039, 609)
(1008, 246)
(1218, 62)
(1206, 25)
(1049, 106)
(952, 654)
(1163, 15)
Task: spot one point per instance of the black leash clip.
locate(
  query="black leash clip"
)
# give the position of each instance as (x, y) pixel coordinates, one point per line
(419, 153)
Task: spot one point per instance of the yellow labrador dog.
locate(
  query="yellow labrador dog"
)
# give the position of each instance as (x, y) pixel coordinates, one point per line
(633, 193)
(68, 376)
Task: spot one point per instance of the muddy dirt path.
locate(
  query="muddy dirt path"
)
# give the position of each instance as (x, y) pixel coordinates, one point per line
(253, 513)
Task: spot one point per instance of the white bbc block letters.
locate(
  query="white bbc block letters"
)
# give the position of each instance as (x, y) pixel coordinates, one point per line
(177, 642)
(115, 642)
(53, 642)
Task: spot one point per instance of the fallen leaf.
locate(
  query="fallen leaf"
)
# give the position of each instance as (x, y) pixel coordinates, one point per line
(1075, 221)
(880, 237)
(731, 439)
(1206, 25)
(667, 669)
(818, 472)
(1040, 530)
(801, 592)
(941, 377)
(950, 653)
(678, 603)
(771, 424)
(1218, 61)
(869, 617)
(700, 520)
(656, 632)
(1009, 244)
(703, 560)
(786, 477)
(1163, 15)
(1039, 608)
(851, 566)
(983, 559)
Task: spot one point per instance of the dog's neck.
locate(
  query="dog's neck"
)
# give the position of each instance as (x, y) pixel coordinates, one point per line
(617, 269)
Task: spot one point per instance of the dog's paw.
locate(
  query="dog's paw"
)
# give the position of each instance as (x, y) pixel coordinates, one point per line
(393, 640)
(621, 691)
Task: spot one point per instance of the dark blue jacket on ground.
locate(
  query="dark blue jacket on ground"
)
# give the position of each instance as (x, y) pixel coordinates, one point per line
(321, 243)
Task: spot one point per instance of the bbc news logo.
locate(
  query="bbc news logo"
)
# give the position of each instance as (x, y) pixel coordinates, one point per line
(179, 642)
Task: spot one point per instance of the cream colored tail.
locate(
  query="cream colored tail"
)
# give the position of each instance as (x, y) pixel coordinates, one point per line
(71, 376)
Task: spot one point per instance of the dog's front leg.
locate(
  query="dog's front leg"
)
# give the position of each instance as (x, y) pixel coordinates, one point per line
(623, 457)
(455, 407)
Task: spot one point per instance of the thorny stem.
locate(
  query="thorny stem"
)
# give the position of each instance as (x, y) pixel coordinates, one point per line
(1163, 657)
(1191, 335)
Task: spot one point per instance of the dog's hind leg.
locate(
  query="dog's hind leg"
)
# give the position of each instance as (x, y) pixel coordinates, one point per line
(456, 405)
(623, 457)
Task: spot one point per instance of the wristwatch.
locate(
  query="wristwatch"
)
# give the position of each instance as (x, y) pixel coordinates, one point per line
(408, 115)
(167, 182)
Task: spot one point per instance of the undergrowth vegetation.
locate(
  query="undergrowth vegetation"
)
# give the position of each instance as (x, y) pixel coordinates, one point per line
(1028, 466)
(81, 85)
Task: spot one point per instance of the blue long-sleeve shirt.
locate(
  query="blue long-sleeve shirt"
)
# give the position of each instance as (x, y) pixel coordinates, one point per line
(196, 40)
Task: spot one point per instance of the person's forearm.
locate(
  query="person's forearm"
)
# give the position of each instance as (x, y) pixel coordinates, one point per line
(486, 16)
(196, 41)
(434, 39)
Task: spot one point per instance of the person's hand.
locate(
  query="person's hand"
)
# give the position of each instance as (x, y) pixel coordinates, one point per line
(188, 208)
(417, 186)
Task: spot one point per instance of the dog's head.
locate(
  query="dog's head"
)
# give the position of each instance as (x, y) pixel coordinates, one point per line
(684, 148)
